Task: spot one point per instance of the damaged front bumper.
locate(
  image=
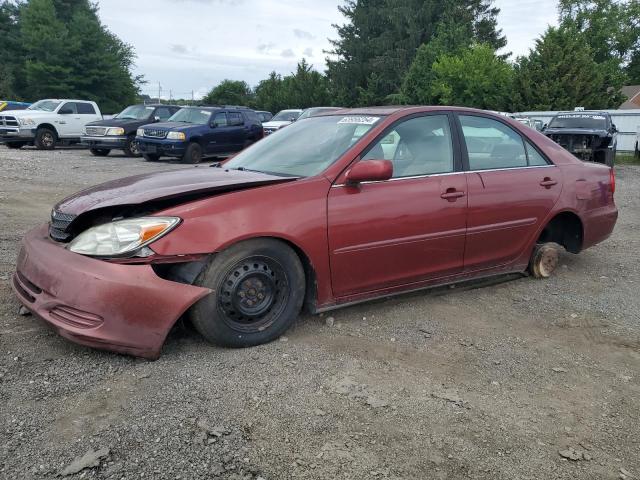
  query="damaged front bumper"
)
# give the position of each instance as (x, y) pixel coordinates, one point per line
(118, 307)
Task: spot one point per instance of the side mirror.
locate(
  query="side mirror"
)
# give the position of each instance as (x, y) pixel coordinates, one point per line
(369, 171)
(156, 118)
(213, 125)
(65, 111)
(614, 129)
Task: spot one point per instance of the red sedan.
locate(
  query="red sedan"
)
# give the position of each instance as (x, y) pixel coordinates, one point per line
(333, 210)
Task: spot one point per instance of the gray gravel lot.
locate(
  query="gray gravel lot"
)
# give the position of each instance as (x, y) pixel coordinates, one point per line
(519, 379)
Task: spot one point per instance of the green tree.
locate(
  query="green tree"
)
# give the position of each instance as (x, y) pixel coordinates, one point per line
(10, 49)
(561, 73)
(474, 78)
(269, 94)
(104, 60)
(230, 92)
(381, 37)
(304, 88)
(44, 40)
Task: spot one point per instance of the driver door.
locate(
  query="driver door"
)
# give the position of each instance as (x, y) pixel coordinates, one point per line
(408, 229)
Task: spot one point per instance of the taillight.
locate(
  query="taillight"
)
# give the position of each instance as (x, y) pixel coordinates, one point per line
(612, 180)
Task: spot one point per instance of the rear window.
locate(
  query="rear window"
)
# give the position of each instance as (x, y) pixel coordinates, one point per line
(85, 109)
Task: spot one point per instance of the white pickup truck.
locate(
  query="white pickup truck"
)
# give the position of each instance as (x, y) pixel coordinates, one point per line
(47, 123)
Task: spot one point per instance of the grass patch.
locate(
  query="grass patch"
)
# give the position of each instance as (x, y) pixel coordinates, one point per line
(627, 159)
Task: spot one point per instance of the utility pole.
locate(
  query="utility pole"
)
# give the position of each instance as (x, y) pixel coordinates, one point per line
(159, 94)
(170, 95)
(193, 100)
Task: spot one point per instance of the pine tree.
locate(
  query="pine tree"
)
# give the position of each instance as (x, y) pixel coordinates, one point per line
(561, 73)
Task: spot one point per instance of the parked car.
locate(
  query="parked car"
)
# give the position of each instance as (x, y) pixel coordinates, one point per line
(321, 215)
(264, 116)
(195, 132)
(119, 133)
(590, 136)
(281, 120)
(11, 105)
(315, 111)
(47, 123)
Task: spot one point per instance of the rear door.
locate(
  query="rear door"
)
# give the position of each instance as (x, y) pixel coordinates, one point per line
(238, 131)
(410, 228)
(512, 188)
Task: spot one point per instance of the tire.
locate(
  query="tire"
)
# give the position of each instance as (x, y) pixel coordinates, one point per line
(100, 152)
(637, 152)
(46, 139)
(258, 291)
(193, 153)
(544, 260)
(131, 147)
(150, 157)
(15, 145)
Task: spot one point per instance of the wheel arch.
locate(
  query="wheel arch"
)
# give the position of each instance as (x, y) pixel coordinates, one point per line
(50, 127)
(565, 228)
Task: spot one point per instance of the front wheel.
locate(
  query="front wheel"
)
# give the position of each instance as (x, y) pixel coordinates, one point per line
(258, 288)
(193, 154)
(99, 152)
(45, 139)
(131, 147)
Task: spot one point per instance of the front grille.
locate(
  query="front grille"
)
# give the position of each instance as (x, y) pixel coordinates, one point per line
(154, 133)
(96, 131)
(59, 226)
(8, 121)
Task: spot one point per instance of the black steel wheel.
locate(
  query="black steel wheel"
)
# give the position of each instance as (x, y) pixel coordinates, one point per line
(193, 153)
(258, 289)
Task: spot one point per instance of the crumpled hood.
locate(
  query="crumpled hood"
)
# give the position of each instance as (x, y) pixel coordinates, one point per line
(167, 185)
(576, 131)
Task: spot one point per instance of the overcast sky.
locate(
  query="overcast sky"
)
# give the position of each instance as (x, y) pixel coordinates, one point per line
(194, 44)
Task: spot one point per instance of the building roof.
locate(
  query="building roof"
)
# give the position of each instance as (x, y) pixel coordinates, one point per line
(632, 92)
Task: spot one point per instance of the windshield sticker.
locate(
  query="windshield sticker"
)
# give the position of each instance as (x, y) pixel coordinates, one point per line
(359, 120)
(594, 116)
(149, 108)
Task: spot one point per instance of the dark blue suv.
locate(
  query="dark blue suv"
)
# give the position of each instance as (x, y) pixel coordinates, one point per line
(195, 132)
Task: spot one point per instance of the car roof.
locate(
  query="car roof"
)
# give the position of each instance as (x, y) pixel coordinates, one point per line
(65, 100)
(391, 109)
(584, 112)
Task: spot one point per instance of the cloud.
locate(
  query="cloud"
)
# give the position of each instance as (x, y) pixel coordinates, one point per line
(179, 49)
(265, 48)
(288, 53)
(308, 52)
(303, 34)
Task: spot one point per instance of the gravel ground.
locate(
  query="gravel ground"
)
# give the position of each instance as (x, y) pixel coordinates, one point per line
(518, 379)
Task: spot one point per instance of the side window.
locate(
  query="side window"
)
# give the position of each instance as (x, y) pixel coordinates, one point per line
(419, 146)
(235, 118)
(163, 113)
(535, 159)
(85, 109)
(69, 106)
(492, 144)
(220, 120)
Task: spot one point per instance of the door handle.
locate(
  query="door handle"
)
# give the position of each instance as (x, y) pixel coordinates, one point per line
(452, 194)
(548, 183)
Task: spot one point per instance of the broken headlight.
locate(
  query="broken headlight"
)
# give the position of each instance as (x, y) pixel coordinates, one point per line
(122, 237)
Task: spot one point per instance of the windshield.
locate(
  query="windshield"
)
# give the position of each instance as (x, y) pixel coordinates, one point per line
(286, 116)
(589, 121)
(304, 149)
(136, 112)
(191, 115)
(45, 105)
